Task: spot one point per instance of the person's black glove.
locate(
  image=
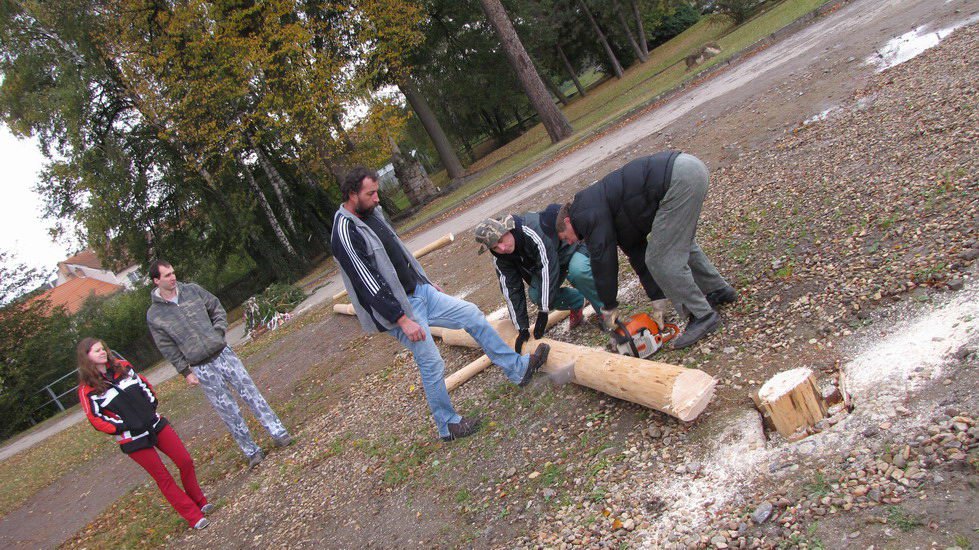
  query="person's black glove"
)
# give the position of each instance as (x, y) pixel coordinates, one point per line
(540, 325)
(521, 340)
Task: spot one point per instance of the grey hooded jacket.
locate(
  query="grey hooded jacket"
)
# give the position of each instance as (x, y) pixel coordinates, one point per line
(190, 332)
(368, 274)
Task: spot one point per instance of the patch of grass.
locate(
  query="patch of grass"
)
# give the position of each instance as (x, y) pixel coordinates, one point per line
(962, 542)
(903, 519)
(819, 486)
(809, 540)
(462, 496)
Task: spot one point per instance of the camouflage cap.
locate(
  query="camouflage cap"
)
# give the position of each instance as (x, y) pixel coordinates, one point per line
(490, 231)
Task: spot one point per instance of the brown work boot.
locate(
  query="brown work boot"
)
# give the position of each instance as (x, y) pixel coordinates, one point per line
(537, 360)
(575, 319)
(463, 428)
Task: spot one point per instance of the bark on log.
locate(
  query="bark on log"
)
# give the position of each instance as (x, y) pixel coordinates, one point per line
(793, 402)
(446, 240)
(677, 391)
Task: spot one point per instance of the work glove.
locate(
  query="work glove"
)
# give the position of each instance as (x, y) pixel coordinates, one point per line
(521, 340)
(540, 325)
(610, 317)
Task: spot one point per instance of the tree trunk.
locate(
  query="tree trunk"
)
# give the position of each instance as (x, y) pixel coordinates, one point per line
(570, 69)
(446, 153)
(642, 31)
(280, 234)
(279, 185)
(628, 31)
(413, 179)
(616, 66)
(551, 117)
(556, 91)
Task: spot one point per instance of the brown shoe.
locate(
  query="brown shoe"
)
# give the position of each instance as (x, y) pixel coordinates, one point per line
(463, 428)
(537, 360)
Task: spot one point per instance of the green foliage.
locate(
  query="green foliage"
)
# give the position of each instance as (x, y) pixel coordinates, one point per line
(738, 10)
(903, 519)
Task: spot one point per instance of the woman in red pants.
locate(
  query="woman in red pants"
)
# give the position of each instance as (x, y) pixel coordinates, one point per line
(122, 403)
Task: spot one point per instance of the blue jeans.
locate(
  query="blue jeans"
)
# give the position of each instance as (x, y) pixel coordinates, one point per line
(580, 277)
(433, 308)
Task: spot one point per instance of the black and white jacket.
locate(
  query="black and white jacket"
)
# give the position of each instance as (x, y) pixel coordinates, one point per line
(538, 255)
(126, 409)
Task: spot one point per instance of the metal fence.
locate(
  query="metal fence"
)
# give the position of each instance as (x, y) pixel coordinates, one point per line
(61, 400)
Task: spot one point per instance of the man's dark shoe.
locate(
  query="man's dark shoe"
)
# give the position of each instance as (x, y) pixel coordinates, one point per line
(537, 360)
(463, 428)
(697, 329)
(726, 295)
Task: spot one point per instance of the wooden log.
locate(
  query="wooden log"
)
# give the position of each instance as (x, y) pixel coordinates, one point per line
(460, 376)
(793, 402)
(506, 331)
(505, 328)
(679, 392)
(344, 309)
(444, 241)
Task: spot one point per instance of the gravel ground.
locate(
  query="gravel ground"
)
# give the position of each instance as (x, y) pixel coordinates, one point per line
(835, 234)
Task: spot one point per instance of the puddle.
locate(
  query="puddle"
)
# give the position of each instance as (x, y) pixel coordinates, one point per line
(910, 45)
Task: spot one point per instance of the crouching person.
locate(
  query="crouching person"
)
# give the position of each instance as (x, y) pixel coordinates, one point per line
(526, 250)
(391, 293)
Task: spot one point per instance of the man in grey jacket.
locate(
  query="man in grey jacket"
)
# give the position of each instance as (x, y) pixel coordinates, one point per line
(188, 325)
(391, 293)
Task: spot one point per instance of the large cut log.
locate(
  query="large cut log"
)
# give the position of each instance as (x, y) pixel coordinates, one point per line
(503, 327)
(679, 392)
(793, 402)
(427, 249)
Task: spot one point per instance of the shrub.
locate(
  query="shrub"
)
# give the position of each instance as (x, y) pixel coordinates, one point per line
(277, 298)
(738, 10)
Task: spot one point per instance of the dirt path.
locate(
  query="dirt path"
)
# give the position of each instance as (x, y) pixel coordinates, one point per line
(758, 99)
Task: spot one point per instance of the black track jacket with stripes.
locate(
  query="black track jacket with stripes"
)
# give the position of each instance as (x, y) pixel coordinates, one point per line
(538, 254)
(370, 278)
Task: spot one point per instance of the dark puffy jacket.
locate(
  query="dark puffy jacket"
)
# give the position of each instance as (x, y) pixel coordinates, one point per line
(618, 211)
(126, 409)
(537, 254)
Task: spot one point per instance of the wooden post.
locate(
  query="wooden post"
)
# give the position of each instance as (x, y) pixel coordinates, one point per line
(344, 309)
(792, 400)
(679, 392)
(446, 240)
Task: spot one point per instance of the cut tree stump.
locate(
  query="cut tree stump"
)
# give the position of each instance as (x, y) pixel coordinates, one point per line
(793, 402)
(446, 240)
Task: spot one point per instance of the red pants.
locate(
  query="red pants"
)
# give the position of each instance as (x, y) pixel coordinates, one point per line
(187, 504)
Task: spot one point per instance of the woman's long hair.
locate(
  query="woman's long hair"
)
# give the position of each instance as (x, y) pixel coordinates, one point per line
(88, 373)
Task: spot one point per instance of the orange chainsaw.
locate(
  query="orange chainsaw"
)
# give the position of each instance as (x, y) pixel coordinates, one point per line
(641, 337)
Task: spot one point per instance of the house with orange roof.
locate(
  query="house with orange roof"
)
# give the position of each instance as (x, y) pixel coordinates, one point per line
(86, 265)
(73, 293)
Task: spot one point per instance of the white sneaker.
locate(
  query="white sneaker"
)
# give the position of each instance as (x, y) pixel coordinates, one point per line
(207, 508)
(202, 523)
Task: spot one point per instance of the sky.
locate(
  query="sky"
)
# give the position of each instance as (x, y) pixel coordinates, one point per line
(23, 234)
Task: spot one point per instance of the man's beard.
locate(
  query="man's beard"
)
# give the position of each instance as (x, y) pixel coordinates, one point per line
(364, 211)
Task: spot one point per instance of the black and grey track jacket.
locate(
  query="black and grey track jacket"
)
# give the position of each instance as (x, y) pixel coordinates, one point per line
(370, 278)
(539, 255)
